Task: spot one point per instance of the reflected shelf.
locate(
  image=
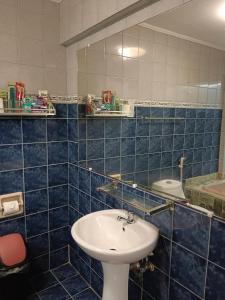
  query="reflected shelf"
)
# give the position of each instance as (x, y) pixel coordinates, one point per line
(161, 118)
(115, 114)
(110, 114)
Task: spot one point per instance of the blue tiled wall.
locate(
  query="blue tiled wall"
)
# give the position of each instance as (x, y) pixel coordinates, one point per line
(34, 156)
(189, 262)
(146, 150)
(189, 259)
(34, 160)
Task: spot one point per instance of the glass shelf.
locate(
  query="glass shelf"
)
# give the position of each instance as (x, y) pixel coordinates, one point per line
(147, 206)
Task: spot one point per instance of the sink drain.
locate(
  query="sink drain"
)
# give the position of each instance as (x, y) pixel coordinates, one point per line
(113, 249)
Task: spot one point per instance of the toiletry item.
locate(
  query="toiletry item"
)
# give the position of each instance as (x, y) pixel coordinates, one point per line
(1, 106)
(113, 102)
(125, 107)
(20, 93)
(44, 96)
(43, 93)
(117, 104)
(26, 104)
(11, 96)
(107, 100)
(107, 97)
(106, 106)
(90, 106)
(4, 96)
(10, 207)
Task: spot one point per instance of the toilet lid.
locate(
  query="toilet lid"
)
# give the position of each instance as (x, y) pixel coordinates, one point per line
(167, 183)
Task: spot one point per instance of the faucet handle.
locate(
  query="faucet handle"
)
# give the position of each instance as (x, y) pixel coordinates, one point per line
(131, 215)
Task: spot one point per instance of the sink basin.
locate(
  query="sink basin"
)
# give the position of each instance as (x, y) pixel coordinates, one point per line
(102, 236)
(116, 244)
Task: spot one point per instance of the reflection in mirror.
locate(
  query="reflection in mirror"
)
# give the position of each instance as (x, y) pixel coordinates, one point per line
(174, 79)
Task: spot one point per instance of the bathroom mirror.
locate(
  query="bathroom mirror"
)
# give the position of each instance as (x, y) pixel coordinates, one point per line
(171, 70)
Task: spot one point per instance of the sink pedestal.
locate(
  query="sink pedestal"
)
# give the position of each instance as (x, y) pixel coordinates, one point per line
(115, 281)
(102, 236)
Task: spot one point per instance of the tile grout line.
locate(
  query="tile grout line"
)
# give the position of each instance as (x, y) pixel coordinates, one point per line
(33, 167)
(44, 254)
(60, 283)
(171, 247)
(24, 196)
(207, 258)
(47, 185)
(184, 287)
(68, 177)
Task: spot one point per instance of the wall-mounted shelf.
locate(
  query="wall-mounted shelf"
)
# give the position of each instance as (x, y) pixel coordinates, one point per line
(17, 112)
(133, 199)
(102, 108)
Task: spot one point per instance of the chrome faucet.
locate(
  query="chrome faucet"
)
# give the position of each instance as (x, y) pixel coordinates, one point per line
(129, 220)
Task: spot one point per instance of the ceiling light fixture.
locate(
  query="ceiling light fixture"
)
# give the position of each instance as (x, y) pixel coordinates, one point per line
(221, 11)
(131, 52)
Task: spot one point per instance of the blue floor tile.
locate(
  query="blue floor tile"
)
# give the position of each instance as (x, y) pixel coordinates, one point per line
(146, 296)
(134, 292)
(56, 292)
(96, 283)
(64, 272)
(75, 285)
(88, 294)
(58, 257)
(16, 287)
(156, 284)
(60, 283)
(43, 281)
(33, 297)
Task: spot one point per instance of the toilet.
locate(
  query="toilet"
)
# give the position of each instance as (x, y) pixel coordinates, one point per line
(169, 186)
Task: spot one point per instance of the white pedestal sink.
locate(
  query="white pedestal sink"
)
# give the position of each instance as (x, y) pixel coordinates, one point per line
(103, 237)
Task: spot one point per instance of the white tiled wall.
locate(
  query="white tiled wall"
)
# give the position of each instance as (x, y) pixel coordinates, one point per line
(72, 70)
(222, 148)
(79, 15)
(71, 23)
(160, 67)
(30, 50)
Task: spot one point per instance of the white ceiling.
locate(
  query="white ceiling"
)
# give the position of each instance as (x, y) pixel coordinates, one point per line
(198, 19)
